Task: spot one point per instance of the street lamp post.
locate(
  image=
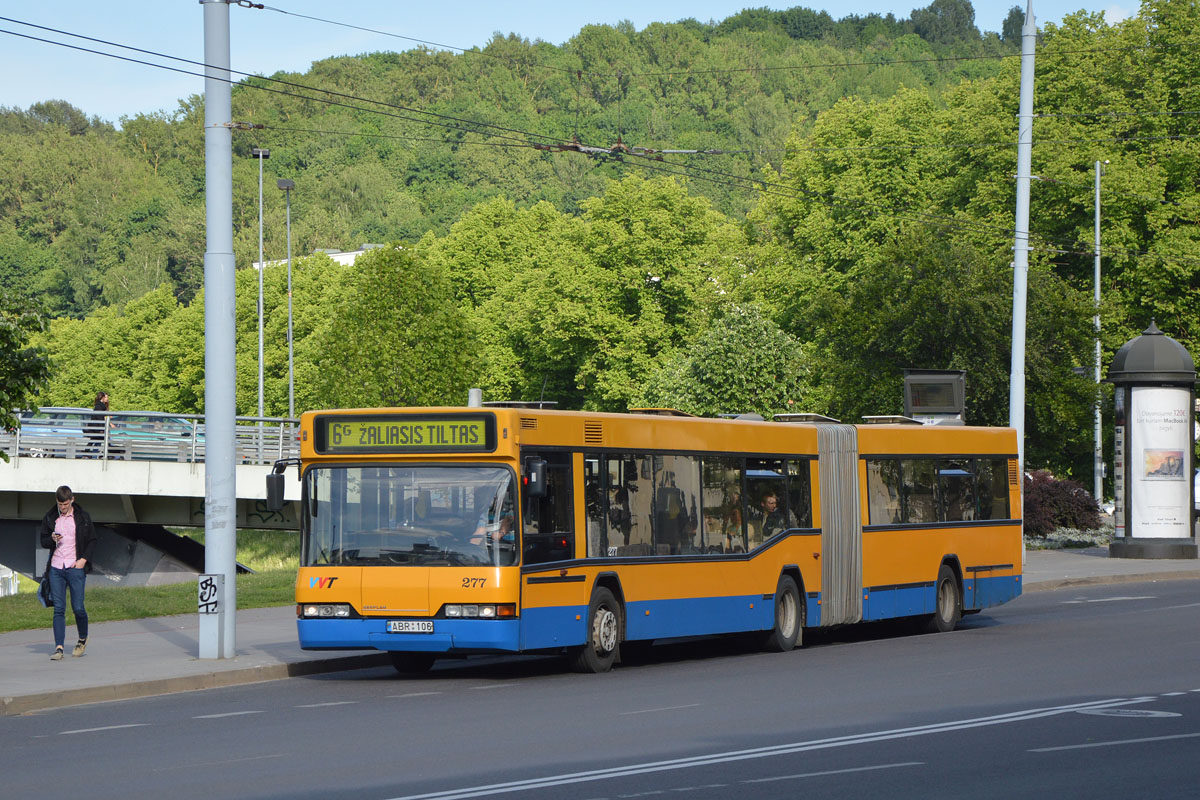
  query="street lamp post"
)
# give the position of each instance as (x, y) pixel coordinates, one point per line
(261, 153)
(287, 184)
(1098, 433)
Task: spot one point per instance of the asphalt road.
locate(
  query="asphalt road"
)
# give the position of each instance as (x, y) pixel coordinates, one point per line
(1087, 692)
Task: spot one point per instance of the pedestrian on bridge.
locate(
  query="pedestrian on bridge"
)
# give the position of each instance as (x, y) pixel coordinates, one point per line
(67, 530)
(97, 423)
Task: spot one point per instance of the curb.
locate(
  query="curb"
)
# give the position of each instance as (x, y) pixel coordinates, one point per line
(1095, 580)
(11, 706)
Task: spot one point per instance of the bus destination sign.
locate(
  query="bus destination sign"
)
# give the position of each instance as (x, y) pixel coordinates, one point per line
(473, 433)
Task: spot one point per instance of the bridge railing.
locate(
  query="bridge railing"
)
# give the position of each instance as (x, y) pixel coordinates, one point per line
(143, 436)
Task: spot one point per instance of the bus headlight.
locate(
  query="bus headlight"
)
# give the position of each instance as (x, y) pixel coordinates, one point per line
(480, 610)
(324, 610)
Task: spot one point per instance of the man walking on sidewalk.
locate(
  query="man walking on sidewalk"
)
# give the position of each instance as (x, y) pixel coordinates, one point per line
(67, 529)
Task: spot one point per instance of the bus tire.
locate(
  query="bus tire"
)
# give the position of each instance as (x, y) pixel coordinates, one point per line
(410, 663)
(789, 617)
(947, 603)
(603, 628)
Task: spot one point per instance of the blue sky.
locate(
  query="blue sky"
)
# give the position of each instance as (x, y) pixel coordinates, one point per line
(266, 41)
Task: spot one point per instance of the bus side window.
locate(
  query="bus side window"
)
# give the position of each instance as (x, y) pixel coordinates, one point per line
(883, 492)
(722, 523)
(992, 488)
(800, 493)
(920, 504)
(676, 517)
(956, 489)
(594, 500)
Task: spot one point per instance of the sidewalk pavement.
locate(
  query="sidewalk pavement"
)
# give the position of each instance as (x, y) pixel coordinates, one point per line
(158, 655)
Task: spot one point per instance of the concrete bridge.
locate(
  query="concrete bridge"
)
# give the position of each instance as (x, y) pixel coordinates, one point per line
(137, 476)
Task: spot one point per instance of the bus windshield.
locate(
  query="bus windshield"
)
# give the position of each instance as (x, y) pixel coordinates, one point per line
(409, 516)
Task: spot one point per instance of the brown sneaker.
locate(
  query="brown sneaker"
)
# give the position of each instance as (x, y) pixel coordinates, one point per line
(58, 654)
(79, 648)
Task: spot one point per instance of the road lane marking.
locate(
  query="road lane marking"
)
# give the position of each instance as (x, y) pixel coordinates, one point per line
(494, 686)
(835, 772)
(1110, 599)
(1115, 743)
(334, 703)
(769, 751)
(415, 694)
(655, 710)
(105, 728)
(226, 714)
(1129, 713)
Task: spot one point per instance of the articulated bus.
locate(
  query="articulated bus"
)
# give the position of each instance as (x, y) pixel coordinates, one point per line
(444, 532)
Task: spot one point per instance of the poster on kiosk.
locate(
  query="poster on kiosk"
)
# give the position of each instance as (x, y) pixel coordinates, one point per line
(1160, 489)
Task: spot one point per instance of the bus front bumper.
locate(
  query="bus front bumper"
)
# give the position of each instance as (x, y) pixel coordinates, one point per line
(449, 636)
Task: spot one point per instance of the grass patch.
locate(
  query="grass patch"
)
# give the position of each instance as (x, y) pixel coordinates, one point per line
(274, 555)
(108, 603)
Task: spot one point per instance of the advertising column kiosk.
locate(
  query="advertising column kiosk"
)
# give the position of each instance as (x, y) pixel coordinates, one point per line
(1154, 417)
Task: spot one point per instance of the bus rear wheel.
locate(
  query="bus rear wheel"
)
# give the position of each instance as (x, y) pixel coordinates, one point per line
(947, 603)
(604, 625)
(789, 617)
(410, 663)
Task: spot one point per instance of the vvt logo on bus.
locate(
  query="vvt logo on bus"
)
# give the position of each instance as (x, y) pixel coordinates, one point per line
(321, 583)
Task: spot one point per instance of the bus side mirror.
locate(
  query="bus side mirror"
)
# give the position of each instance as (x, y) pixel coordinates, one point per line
(535, 477)
(275, 491)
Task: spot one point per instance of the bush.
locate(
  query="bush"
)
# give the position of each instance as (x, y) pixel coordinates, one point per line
(1052, 503)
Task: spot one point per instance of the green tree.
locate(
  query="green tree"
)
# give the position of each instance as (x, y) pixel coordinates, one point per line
(24, 368)
(743, 362)
(395, 338)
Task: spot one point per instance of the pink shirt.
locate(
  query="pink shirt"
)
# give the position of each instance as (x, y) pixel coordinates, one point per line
(64, 554)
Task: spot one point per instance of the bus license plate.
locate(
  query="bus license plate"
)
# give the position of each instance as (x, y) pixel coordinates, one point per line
(410, 626)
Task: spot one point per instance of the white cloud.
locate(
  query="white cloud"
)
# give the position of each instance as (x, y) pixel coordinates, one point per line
(1113, 14)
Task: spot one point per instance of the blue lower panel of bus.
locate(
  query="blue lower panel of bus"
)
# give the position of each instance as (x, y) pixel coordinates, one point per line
(886, 602)
(565, 626)
(448, 635)
(661, 619)
(986, 592)
(553, 626)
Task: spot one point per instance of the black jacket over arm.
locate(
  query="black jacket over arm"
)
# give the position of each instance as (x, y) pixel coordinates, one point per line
(85, 534)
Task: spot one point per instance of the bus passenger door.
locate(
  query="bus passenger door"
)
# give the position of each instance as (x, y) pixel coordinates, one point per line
(550, 599)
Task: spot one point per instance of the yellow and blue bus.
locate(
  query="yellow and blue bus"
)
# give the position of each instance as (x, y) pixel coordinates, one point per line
(441, 532)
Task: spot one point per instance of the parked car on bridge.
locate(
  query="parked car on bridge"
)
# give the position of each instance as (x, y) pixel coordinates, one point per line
(82, 433)
(156, 436)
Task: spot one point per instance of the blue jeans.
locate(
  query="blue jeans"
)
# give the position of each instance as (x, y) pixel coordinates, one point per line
(60, 579)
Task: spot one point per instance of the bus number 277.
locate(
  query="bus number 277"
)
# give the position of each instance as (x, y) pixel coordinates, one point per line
(473, 583)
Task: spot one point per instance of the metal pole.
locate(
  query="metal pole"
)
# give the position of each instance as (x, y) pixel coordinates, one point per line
(260, 284)
(1098, 433)
(1016, 391)
(291, 369)
(217, 631)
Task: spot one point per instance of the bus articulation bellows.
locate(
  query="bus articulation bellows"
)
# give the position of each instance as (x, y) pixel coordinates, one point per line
(431, 532)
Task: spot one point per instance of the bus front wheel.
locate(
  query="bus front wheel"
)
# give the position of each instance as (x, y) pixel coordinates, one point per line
(603, 628)
(408, 663)
(947, 603)
(789, 614)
